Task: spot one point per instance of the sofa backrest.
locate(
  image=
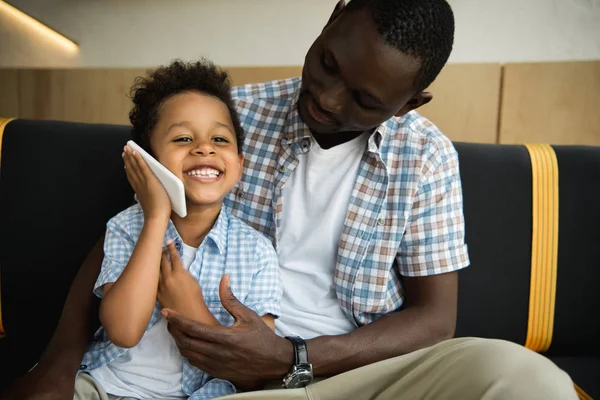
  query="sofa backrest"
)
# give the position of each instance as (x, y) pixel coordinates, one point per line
(61, 182)
(494, 293)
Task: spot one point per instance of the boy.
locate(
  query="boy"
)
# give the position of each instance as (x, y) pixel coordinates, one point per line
(183, 115)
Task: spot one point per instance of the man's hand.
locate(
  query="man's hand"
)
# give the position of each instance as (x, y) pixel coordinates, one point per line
(248, 354)
(42, 383)
(180, 291)
(150, 192)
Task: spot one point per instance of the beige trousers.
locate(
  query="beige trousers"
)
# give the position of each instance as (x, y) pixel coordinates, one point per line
(457, 369)
(86, 388)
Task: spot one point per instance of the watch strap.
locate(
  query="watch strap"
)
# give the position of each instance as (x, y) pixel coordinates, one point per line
(300, 350)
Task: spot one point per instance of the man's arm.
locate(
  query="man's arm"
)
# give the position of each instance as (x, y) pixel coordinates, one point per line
(54, 376)
(249, 354)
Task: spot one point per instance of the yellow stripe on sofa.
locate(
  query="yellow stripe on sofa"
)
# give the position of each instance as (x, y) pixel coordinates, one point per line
(544, 246)
(581, 393)
(3, 123)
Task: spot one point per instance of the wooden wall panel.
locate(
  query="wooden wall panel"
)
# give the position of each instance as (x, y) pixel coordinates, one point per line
(83, 95)
(555, 103)
(465, 102)
(243, 75)
(9, 93)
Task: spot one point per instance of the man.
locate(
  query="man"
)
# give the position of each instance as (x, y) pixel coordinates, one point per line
(362, 198)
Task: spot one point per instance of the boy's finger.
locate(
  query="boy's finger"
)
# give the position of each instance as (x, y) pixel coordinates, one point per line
(175, 260)
(131, 165)
(131, 176)
(142, 166)
(165, 265)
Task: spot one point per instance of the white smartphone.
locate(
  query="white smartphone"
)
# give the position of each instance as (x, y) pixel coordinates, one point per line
(172, 184)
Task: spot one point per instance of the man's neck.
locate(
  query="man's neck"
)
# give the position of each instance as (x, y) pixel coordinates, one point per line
(329, 140)
(196, 225)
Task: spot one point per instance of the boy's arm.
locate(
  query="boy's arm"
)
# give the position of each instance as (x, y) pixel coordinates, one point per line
(54, 376)
(178, 290)
(127, 305)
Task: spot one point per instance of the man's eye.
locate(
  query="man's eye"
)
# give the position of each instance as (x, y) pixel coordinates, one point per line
(360, 103)
(326, 66)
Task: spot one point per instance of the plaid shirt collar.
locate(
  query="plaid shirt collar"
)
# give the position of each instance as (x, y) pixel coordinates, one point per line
(218, 234)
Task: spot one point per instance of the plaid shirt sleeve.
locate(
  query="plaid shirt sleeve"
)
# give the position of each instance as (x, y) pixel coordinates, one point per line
(118, 247)
(434, 238)
(266, 291)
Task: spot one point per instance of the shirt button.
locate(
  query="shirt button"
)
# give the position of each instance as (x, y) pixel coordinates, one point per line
(82, 367)
(282, 168)
(240, 194)
(381, 221)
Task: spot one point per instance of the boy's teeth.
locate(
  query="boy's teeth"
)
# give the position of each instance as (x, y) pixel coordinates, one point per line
(206, 172)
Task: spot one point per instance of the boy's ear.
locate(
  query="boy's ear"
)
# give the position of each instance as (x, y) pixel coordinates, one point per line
(339, 7)
(415, 102)
(241, 160)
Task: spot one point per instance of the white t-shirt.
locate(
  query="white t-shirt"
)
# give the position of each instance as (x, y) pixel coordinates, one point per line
(315, 204)
(151, 369)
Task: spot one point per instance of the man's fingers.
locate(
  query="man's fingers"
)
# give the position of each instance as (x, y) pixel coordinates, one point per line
(174, 254)
(237, 310)
(186, 331)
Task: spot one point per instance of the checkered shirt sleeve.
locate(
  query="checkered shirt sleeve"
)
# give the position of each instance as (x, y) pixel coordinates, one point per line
(434, 239)
(118, 247)
(266, 291)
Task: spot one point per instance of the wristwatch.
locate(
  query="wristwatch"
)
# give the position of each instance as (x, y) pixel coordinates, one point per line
(301, 373)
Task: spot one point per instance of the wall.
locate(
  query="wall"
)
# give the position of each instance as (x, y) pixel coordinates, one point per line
(135, 33)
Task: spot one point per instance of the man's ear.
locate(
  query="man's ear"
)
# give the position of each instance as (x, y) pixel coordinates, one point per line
(339, 7)
(415, 102)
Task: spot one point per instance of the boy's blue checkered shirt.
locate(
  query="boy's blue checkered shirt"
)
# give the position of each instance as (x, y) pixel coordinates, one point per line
(231, 247)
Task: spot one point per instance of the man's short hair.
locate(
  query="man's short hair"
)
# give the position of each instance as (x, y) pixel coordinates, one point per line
(423, 29)
(149, 93)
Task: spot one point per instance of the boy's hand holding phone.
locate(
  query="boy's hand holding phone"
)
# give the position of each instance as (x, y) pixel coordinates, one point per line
(150, 192)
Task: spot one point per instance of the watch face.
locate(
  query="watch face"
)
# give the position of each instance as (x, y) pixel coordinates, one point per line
(298, 378)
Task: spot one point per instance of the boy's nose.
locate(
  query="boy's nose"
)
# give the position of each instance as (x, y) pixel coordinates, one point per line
(204, 148)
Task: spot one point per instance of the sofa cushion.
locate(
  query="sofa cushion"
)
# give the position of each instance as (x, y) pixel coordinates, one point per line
(585, 372)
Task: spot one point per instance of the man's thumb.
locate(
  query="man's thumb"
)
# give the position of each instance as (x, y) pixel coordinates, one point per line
(229, 301)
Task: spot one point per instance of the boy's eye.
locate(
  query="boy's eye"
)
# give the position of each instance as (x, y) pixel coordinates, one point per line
(220, 139)
(183, 139)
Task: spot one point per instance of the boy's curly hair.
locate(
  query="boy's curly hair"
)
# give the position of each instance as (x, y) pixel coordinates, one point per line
(149, 93)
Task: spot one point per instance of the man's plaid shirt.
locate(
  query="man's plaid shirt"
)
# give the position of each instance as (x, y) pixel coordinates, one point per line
(405, 215)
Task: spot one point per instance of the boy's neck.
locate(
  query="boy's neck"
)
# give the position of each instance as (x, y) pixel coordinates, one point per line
(196, 225)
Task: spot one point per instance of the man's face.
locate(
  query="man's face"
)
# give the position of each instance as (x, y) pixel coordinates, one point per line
(352, 81)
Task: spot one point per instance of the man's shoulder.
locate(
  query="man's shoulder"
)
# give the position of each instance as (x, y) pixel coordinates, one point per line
(272, 91)
(416, 135)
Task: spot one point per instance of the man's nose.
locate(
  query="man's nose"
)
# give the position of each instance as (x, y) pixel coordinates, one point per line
(332, 99)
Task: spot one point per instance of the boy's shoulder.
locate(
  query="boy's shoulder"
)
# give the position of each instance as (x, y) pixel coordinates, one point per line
(131, 219)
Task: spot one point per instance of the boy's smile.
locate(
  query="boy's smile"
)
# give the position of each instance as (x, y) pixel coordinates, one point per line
(195, 139)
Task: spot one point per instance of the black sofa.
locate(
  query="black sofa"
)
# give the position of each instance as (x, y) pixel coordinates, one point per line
(60, 182)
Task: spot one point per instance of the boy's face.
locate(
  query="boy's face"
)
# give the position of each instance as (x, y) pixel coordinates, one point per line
(195, 139)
